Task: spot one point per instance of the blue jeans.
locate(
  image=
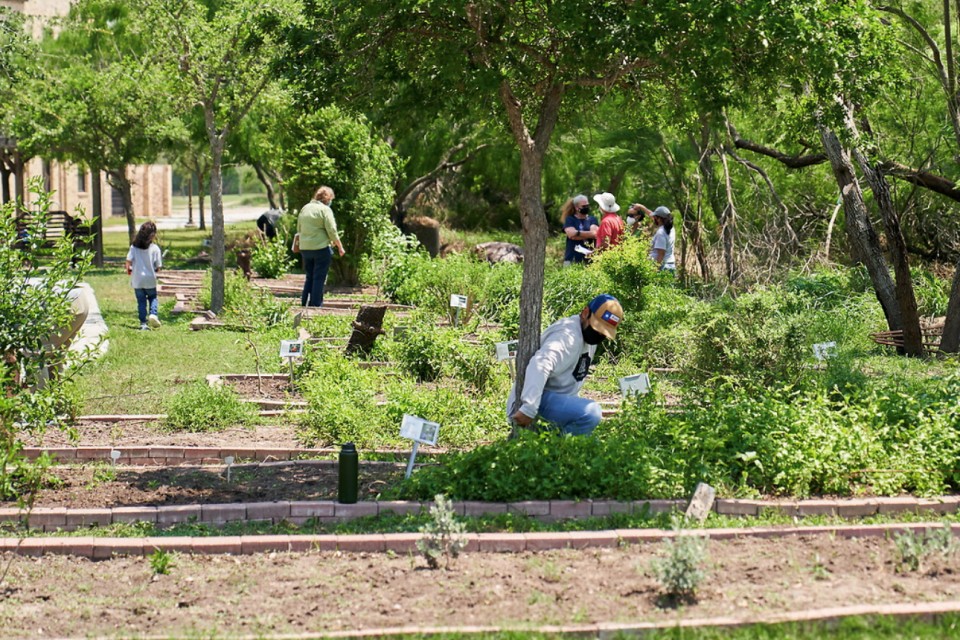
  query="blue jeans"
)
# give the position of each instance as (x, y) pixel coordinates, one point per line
(143, 297)
(316, 264)
(572, 414)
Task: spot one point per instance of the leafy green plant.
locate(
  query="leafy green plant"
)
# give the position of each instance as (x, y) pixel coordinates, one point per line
(681, 568)
(914, 549)
(161, 561)
(442, 537)
(201, 407)
(270, 259)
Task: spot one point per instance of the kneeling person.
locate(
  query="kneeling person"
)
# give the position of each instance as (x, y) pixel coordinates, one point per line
(557, 370)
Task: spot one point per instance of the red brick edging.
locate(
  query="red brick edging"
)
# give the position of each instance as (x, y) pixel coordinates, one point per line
(99, 548)
(52, 519)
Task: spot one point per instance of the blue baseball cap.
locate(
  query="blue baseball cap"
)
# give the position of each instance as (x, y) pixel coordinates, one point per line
(606, 314)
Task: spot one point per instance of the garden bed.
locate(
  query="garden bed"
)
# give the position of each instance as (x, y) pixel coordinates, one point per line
(749, 579)
(100, 485)
(144, 433)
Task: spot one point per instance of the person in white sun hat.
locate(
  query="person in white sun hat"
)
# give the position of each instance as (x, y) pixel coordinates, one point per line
(611, 228)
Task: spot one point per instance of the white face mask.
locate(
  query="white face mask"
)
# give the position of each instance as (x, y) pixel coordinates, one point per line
(631, 220)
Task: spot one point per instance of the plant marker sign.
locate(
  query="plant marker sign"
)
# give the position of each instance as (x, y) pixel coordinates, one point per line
(458, 302)
(291, 349)
(507, 351)
(418, 430)
(825, 350)
(635, 385)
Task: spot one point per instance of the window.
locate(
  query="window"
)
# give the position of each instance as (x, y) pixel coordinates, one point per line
(81, 181)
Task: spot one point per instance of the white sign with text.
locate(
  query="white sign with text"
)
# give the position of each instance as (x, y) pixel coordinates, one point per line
(291, 348)
(458, 301)
(507, 350)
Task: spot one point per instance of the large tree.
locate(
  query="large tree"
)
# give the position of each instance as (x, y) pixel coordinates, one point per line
(219, 56)
(520, 63)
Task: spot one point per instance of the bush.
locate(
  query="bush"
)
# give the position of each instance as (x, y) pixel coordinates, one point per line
(200, 407)
(681, 569)
(245, 304)
(270, 259)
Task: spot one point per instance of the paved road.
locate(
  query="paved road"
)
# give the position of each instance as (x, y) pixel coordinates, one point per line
(178, 219)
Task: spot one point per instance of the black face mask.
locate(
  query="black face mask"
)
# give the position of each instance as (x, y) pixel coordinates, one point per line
(584, 210)
(591, 336)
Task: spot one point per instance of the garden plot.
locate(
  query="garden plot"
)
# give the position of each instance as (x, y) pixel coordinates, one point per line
(101, 485)
(749, 580)
(150, 433)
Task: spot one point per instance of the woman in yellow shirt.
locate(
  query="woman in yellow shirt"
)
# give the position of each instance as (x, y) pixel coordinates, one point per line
(318, 233)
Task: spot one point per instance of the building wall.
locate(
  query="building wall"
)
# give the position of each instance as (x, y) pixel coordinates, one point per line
(152, 186)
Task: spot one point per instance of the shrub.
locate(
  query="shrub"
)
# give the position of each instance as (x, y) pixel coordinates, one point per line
(681, 568)
(443, 537)
(201, 407)
(244, 303)
(270, 259)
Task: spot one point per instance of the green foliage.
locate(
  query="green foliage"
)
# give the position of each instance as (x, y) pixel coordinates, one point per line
(757, 338)
(161, 561)
(332, 147)
(201, 407)
(680, 569)
(241, 301)
(442, 537)
(270, 259)
(914, 549)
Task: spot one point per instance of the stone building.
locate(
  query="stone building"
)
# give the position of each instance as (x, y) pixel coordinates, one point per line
(152, 184)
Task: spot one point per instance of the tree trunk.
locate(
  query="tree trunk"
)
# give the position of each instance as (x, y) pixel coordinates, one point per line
(118, 180)
(96, 194)
(728, 226)
(19, 188)
(907, 300)
(711, 186)
(268, 184)
(859, 227)
(533, 220)
(950, 342)
(201, 196)
(190, 202)
(218, 262)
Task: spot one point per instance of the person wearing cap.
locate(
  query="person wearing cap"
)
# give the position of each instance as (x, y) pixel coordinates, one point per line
(580, 228)
(611, 227)
(557, 370)
(661, 248)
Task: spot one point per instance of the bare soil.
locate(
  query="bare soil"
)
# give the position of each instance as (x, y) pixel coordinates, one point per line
(148, 433)
(265, 388)
(325, 592)
(101, 486)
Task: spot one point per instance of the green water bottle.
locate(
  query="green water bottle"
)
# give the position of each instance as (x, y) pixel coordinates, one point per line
(349, 466)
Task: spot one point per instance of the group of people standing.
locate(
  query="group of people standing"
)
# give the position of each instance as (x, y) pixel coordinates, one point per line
(585, 235)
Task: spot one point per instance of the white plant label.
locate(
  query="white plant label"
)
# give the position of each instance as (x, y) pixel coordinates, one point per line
(114, 455)
(419, 430)
(582, 249)
(632, 385)
(824, 350)
(507, 350)
(291, 348)
(458, 301)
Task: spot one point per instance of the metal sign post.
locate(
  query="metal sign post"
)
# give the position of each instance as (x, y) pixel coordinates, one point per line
(458, 302)
(291, 349)
(420, 431)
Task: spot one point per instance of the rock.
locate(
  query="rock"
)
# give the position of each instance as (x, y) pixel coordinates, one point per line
(495, 252)
(702, 502)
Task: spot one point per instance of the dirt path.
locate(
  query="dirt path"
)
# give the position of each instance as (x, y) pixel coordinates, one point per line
(289, 593)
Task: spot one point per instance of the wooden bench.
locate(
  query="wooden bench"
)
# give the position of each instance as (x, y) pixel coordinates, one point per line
(59, 224)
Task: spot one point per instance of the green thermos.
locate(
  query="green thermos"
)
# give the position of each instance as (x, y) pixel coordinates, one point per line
(349, 466)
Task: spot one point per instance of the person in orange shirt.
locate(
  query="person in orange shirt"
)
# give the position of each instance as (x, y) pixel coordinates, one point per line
(611, 228)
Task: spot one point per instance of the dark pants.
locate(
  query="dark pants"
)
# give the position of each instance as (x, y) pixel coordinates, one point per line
(316, 264)
(146, 297)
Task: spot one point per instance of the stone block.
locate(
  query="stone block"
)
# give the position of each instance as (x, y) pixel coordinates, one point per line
(216, 545)
(198, 453)
(817, 507)
(857, 508)
(223, 513)
(81, 546)
(43, 517)
(473, 508)
(657, 506)
(178, 514)
(104, 548)
(530, 507)
(701, 504)
(561, 509)
(89, 517)
(402, 542)
(357, 510)
(374, 542)
(727, 507)
(273, 511)
(62, 454)
(179, 544)
(603, 508)
(400, 507)
(166, 452)
(275, 454)
(502, 542)
(135, 514)
(239, 453)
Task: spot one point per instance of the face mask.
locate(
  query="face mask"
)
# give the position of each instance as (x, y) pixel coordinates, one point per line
(591, 336)
(631, 220)
(584, 210)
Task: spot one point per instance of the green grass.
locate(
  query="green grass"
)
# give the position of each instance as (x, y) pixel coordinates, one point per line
(180, 243)
(143, 368)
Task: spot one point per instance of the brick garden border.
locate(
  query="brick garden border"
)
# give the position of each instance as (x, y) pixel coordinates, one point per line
(52, 519)
(103, 548)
